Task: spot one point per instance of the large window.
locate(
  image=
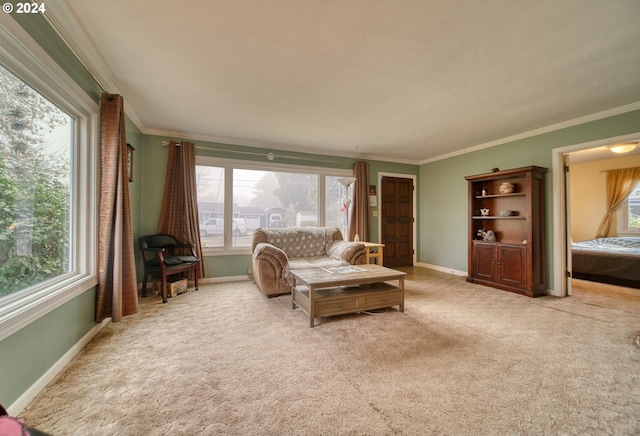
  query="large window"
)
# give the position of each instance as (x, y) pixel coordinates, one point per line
(35, 181)
(48, 183)
(629, 213)
(234, 198)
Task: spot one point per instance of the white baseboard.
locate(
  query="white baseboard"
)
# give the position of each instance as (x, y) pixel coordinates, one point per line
(442, 269)
(206, 281)
(18, 406)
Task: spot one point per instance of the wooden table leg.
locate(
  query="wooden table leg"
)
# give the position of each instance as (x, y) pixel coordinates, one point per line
(293, 294)
(312, 306)
(401, 285)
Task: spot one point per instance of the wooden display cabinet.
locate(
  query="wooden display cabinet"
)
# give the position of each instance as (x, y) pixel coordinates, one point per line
(515, 260)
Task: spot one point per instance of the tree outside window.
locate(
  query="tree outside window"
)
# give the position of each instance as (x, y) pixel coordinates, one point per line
(633, 209)
(35, 187)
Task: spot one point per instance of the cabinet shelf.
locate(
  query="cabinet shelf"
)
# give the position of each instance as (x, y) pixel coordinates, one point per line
(509, 263)
(513, 194)
(480, 241)
(519, 217)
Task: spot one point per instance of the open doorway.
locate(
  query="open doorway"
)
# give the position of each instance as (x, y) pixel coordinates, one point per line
(594, 157)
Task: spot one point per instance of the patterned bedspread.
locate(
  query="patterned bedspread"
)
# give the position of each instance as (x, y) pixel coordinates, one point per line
(629, 245)
(610, 257)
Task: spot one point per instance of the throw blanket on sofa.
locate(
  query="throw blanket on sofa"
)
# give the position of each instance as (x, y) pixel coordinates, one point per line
(302, 242)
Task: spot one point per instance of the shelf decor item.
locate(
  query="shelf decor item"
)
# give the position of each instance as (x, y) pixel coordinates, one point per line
(506, 188)
(506, 249)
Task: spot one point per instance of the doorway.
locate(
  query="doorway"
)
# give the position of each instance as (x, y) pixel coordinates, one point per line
(561, 206)
(397, 219)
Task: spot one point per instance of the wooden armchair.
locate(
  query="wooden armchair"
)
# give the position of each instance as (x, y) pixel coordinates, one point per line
(163, 255)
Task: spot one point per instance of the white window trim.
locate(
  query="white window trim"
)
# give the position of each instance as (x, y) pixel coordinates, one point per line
(622, 215)
(231, 164)
(26, 59)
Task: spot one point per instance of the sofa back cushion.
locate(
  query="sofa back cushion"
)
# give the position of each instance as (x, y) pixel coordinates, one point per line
(299, 241)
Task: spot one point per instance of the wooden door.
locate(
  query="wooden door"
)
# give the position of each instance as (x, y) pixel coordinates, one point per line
(396, 210)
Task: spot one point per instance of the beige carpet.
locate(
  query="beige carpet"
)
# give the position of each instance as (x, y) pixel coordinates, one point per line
(462, 359)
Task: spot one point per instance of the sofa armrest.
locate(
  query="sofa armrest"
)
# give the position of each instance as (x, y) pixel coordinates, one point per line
(352, 252)
(271, 269)
(272, 254)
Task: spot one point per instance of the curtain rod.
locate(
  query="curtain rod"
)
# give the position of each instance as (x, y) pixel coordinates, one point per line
(268, 155)
(615, 169)
(74, 52)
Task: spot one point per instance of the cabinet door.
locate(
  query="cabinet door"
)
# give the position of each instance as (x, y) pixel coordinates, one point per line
(484, 261)
(512, 266)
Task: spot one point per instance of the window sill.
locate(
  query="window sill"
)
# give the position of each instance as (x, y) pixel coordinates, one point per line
(629, 232)
(208, 252)
(22, 312)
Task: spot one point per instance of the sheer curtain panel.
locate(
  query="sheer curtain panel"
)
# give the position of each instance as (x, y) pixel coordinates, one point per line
(117, 289)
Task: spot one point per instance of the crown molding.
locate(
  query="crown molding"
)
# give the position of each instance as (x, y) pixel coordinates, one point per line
(266, 145)
(553, 127)
(63, 22)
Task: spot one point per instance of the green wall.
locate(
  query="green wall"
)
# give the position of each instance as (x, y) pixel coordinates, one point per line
(154, 163)
(28, 354)
(443, 190)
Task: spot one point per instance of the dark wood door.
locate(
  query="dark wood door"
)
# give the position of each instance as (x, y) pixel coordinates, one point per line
(396, 210)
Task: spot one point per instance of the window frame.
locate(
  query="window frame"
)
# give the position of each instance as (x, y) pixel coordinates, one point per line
(622, 214)
(230, 164)
(21, 55)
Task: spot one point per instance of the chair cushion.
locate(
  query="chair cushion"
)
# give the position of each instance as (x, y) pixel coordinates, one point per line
(177, 260)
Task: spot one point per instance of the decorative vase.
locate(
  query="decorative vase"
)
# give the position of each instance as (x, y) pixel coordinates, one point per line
(506, 188)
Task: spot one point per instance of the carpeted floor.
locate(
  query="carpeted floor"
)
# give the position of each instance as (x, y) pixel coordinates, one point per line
(462, 359)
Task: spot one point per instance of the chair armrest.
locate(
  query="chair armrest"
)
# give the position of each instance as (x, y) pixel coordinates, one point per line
(352, 252)
(272, 254)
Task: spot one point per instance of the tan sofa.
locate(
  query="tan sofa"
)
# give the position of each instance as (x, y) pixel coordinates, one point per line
(278, 251)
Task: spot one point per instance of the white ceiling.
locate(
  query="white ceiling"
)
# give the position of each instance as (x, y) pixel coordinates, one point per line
(405, 81)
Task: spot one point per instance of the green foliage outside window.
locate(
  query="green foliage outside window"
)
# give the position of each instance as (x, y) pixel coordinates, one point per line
(34, 187)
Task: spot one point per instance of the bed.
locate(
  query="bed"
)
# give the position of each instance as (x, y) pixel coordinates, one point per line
(607, 260)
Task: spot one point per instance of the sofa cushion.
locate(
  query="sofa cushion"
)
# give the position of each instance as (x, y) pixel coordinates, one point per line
(301, 242)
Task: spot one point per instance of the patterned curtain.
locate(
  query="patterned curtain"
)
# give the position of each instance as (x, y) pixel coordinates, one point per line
(179, 214)
(117, 288)
(359, 222)
(620, 184)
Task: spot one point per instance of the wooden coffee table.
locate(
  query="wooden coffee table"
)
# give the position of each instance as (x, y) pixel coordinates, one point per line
(322, 293)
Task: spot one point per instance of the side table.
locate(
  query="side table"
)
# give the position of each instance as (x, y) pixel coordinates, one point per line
(374, 251)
